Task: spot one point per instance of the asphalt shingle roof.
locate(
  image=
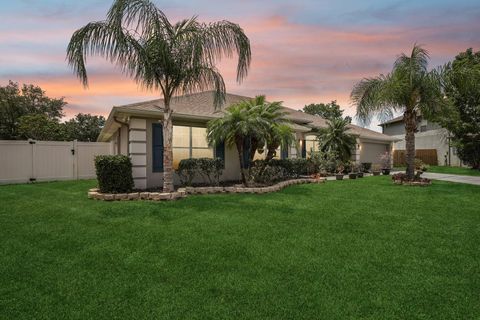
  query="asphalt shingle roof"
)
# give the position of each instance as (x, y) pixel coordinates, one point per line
(202, 105)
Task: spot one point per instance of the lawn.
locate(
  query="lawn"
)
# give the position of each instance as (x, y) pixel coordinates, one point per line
(343, 250)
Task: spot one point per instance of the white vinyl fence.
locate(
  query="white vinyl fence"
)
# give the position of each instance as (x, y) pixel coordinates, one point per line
(24, 161)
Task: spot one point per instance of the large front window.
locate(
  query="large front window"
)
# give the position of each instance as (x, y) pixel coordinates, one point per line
(189, 142)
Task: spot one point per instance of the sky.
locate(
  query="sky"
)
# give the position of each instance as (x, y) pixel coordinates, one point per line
(303, 51)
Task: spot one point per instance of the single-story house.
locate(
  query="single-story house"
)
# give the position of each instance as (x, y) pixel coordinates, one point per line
(136, 130)
(432, 142)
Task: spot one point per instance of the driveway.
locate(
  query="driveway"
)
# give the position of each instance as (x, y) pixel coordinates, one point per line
(452, 178)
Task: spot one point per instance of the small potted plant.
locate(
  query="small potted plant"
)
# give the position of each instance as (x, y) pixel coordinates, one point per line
(353, 172)
(339, 174)
(386, 161)
(366, 167)
(359, 171)
(376, 169)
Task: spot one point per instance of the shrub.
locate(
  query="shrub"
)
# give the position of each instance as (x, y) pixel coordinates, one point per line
(263, 172)
(209, 169)
(325, 162)
(366, 166)
(420, 165)
(386, 160)
(187, 170)
(114, 174)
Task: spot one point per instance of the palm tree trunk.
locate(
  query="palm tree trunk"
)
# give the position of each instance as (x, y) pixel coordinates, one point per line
(167, 148)
(239, 144)
(410, 128)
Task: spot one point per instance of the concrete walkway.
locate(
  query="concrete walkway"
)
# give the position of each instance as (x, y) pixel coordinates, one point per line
(450, 177)
(475, 180)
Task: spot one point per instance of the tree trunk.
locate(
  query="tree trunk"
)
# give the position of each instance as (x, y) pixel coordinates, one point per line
(239, 144)
(272, 150)
(167, 148)
(410, 128)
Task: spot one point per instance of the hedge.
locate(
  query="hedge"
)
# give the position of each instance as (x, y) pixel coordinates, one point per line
(114, 174)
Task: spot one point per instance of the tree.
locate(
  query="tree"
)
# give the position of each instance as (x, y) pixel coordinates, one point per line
(336, 139)
(327, 111)
(409, 88)
(275, 131)
(16, 102)
(171, 58)
(461, 114)
(278, 135)
(84, 127)
(40, 127)
(234, 129)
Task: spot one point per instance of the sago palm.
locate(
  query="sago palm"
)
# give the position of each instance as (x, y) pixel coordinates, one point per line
(335, 138)
(173, 59)
(409, 88)
(279, 135)
(234, 128)
(274, 132)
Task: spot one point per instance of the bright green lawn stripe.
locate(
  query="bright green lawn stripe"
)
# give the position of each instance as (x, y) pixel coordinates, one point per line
(343, 250)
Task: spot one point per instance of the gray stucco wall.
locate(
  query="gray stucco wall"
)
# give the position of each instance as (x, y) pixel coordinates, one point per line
(393, 129)
(398, 128)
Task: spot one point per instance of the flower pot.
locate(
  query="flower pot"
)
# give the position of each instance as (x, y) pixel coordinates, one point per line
(386, 172)
(359, 174)
(352, 176)
(339, 176)
(376, 173)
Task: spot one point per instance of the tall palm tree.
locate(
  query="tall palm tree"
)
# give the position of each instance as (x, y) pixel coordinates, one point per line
(335, 138)
(171, 58)
(409, 88)
(234, 128)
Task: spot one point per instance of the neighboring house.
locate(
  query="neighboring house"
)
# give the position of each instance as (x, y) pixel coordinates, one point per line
(136, 130)
(432, 142)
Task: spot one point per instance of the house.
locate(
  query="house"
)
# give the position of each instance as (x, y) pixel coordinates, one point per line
(136, 130)
(432, 142)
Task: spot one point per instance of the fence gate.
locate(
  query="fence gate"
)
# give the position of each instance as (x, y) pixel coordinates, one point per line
(23, 161)
(428, 156)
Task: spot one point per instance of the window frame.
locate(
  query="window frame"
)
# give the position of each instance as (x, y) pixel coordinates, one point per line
(190, 147)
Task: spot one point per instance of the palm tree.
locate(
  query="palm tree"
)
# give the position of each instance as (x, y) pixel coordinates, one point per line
(234, 129)
(276, 131)
(335, 138)
(171, 58)
(409, 88)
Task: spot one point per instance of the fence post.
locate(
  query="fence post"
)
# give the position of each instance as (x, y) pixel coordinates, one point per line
(75, 159)
(33, 149)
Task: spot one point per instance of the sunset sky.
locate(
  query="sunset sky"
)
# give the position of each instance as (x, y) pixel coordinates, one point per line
(303, 51)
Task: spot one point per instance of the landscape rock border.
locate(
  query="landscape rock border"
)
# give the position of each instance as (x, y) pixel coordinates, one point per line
(413, 183)
(183, 192)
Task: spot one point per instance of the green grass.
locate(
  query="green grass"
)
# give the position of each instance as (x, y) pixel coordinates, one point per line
(353, 249)
(454, 170)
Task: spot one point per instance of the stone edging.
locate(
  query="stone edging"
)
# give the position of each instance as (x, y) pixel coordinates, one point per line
(182, 192)
(412, 183)
(95, 194)
(241, 189)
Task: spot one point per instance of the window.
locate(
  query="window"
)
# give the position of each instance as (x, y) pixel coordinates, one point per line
(157, 147)
(189, 142)
(311, 144)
